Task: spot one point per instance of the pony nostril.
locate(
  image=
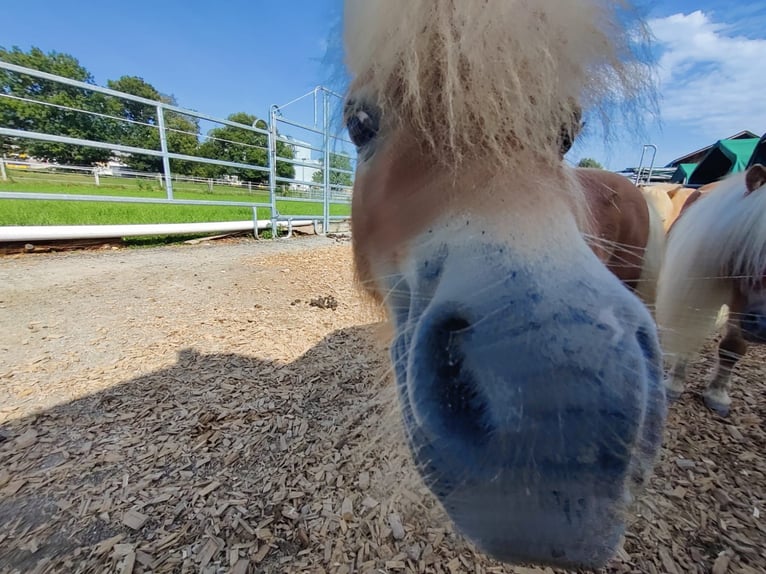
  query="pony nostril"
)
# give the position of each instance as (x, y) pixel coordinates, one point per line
(455, 393)
(447, 338)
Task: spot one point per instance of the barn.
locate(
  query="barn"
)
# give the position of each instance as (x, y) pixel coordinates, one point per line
(715, 161)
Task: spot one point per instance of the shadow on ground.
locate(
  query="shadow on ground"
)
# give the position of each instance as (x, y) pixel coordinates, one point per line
(219, 461)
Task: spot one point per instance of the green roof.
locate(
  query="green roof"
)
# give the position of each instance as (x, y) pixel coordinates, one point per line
(739, 151)
(725, 157)
(683, 172)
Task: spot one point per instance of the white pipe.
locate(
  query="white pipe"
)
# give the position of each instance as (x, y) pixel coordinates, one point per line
(58, 232)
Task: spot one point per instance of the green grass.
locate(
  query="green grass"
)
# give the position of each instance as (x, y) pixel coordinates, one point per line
(44, 212)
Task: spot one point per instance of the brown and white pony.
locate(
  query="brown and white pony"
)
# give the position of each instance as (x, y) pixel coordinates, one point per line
(715, 256)
(628, 234)
(528, 375)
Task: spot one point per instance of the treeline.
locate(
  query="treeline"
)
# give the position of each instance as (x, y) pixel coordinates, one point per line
(115, 120)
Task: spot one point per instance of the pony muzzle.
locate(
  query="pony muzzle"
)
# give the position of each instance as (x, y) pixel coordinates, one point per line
(531, 397)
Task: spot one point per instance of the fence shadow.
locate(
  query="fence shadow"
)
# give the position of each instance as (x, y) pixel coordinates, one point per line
(219, 459)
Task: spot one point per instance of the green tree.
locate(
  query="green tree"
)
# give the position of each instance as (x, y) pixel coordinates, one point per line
(65, 117)
(337, 161)
(239, 145)
(141, 127)
(589, 162)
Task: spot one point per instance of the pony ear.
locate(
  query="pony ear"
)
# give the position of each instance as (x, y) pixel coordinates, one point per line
(755, 178)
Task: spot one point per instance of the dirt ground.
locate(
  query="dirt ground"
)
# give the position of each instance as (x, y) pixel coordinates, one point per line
(225, 408)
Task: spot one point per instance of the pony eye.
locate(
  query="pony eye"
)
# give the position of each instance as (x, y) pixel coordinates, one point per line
(362, 122)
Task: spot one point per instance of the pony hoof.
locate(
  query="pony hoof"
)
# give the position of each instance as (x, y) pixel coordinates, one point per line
(721, 409)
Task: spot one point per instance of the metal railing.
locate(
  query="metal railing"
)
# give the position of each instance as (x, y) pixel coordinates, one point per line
(644, 173)
(335, 182)
(286, 189)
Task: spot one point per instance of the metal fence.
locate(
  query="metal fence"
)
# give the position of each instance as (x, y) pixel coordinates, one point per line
(316, 175)
(338, 160)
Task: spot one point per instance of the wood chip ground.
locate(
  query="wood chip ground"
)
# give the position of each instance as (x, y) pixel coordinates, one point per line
(187, 409)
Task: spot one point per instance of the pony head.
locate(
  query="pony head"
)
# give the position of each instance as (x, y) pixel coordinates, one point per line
(528, 376)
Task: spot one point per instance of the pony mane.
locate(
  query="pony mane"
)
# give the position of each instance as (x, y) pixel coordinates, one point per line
(721, 235)
(492, 78)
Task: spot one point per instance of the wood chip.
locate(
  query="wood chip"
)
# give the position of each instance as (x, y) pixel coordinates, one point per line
(721, 564)
(144, 559)
(121, 550)
(678, 492)
(209, 488)
(347, 509)
(128, 563)
(13, 487)
(106, 546)
(26, 440)
(240, 567)
(134, 519)
(209, 550)
(668, 563)
(262, 553)
(397, 529)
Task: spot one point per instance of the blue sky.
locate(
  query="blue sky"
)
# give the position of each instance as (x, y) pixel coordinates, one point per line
(244, 55)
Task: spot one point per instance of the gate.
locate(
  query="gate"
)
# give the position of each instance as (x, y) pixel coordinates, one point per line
(328, 177)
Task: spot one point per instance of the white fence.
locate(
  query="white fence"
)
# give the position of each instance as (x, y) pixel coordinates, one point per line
(323, 159)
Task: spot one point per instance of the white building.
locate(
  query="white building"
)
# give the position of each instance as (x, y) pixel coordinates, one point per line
(304, 154)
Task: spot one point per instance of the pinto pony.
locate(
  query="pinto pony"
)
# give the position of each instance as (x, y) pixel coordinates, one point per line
(716, 255)
(528, 375)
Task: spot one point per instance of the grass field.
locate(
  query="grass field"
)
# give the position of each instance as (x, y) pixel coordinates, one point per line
(42, 212)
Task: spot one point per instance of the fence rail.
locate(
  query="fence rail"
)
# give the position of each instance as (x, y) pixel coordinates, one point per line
(311, 179)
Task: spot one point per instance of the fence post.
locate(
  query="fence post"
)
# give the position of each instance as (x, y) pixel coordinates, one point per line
(3, 175)
(326, 179)
(95, 176)
(273, 169)
(164, 149)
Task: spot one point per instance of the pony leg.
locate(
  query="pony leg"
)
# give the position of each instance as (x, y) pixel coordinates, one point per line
(730, 350)
(675, 382)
